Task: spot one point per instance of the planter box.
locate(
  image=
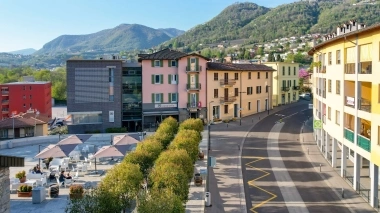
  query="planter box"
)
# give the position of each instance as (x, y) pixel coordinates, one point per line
(24, 194)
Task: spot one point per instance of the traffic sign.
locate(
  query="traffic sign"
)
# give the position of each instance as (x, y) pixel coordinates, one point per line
(317, 124)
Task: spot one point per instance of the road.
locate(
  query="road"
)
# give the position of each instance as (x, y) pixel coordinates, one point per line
(277, 175)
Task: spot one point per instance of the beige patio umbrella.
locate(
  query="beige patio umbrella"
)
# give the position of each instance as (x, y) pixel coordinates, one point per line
(55, 151)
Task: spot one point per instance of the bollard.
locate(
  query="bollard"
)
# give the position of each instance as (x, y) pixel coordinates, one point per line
(320, 167)
(342, 193)
(307, 150)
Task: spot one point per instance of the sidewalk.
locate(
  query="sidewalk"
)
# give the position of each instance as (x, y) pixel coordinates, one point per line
(226, 182)
(332, 177)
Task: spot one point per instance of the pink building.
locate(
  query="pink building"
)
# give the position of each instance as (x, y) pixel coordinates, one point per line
(174, 84)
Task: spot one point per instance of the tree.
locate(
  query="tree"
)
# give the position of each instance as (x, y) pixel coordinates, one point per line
(164, 134)
(160, 200)
(271, 57)
(247, 55)
(260, 51)
(172, 122)
(192, 124)
(179, 157)
(59, 90)
(175, 44)
(302, 73)
(278, 58)
(188, 140)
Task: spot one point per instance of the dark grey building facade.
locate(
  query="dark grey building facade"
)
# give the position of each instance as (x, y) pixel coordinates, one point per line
(94, 95)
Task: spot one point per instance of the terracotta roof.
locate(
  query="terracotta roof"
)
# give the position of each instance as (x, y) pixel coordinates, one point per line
(20, 122)
(238, 67)
(43, 118)
(167, 54)
(312, 50)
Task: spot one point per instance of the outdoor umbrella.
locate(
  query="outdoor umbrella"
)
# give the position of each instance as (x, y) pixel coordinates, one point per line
(73, 141)
(55, 151)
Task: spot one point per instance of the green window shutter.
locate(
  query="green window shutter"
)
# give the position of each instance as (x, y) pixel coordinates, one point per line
(153, 98)
(161, 63)
(169, 63)
(197, 98)
(162, 79)
(152, 79)
(152, 63)
(188, 63)
(169, 79)
(177, 79)
(196, 79)
(162, 97)
(177, 98)
(196, 64)
(188, 98)
(170, 97)
(188, 79)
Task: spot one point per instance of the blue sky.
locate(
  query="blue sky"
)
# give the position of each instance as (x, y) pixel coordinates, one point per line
(32, 23)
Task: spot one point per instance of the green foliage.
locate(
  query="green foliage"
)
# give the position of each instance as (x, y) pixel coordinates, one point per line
(160, 200)
(20, 174)
(170, 176)
(179, 157)
(271, 57)
(188, 140)
(76, 189)
(172, 122)
(165, 134)
(24, 188)
(59, 131)
(96, 131)
(116, 130)
(192, 124)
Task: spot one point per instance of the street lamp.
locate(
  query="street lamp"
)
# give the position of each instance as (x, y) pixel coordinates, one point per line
(13, 121)
(39, 150)
(208, 150)
(35, 121)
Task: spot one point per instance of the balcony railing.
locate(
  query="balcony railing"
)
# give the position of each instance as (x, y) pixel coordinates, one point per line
(5, 102)
(324, 93)
(365, 67)
(364, 143)
(364, 104)
(227, 99)
(4, 92)
(227, 82)
(285, 89)
(296, 87)
(323, 69)
(349, 135)
(196, 86)
(192, 105)
(5, 111)
(349, 68)
(193, 68)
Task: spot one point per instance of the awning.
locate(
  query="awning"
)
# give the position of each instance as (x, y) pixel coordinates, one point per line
(161, 113)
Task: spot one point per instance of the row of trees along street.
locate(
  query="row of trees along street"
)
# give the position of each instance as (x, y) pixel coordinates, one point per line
(153, 178)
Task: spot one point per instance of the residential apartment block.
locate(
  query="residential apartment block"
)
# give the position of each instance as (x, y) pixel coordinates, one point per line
(238, 88)
(19, 97)
(285, 82)
(172, 86)
(347, 100)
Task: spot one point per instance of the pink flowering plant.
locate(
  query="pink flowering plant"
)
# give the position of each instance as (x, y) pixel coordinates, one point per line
(303, 74)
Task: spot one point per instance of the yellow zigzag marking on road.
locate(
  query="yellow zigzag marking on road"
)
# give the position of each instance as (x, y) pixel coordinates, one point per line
(251, 183)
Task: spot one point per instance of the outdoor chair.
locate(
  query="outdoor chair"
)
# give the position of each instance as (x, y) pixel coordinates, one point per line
(68, 182)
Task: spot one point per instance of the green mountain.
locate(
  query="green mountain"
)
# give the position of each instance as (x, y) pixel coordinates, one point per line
(123, 37)
(28, 51)
(252, 23)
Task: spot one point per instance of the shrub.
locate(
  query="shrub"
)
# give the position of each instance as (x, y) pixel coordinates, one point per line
(76, 189)
(59, 130)
(171, 122)
(189, 141)
(160, 200)
(92, 132)
(192, 124)
(20, 174)
(116, 130)
(179, 157)
(170, 176)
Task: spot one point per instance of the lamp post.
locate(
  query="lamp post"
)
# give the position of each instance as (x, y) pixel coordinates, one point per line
(35, 121)
(13, 123)
(208, 150)
(39, 150)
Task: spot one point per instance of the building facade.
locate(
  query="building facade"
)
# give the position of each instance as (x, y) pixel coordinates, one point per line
(347, 101)
(285, 82)
(174, 84)
(94, 95)
(19, 97)
(238, 88)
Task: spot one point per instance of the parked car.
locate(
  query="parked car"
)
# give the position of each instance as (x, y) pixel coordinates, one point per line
(306, 96)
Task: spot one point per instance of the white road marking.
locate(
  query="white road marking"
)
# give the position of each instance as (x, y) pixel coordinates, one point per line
(292, 197)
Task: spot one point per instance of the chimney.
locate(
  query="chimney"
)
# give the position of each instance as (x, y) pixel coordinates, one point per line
(338, 31)
(199, 52)
(354, 25)
(361, 26)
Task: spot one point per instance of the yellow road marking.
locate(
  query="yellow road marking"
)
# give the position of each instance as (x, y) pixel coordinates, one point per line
(251, 183)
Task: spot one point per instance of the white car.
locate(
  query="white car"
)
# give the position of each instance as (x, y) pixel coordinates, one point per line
(305, 96)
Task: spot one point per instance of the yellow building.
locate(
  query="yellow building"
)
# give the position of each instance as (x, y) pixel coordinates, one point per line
(231, 87)
(285, 82)
(346, 100)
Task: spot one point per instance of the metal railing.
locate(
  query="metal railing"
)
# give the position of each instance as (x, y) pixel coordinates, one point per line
(349, 68)
(296, 87)
(329, 157)
(364, 104)
(193, 68)
(348, 176)
(364, 192)
(227, 99)
(285, 89)
(196, 86)
(323, 69)
(192, 105)
(227, 82)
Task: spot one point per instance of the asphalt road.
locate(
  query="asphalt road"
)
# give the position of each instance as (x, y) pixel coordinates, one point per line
(277, 175)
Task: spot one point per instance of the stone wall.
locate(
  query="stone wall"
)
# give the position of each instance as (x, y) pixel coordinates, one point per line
(4, 190)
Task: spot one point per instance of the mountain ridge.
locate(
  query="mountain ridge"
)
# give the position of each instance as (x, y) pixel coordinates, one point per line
(27, 51)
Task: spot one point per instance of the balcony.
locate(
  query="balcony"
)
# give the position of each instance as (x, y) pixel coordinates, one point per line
(349, 135)
(227, 82)
(192, 106)
(193, 68)
(5, 102)
(5, 111)
(364, 143)
(349, 68)
(296, 87)
(196, 86)
(4, 92)
(364, 104)
(227, 100)
(365, 67)
(324, 93)
(323, 70)
(285, 89)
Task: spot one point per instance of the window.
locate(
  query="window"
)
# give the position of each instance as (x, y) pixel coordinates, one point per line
(192, 60)
(290, 83)
(216, 93)
(173, 63)
(338, 57)
(258, 75)
(157, 63)
(249, 75)
(173, 79)
(249, 90)
(215, 76)
(329, 86)
(249, 105)
(24, 105)
(294, 83)
(30, 87)
(236, 91)
(337, 87)
(30, 105)
(283, 70)
(157, 79)
(225, 109)
(23, 97)
(266, 89)
(337, 117)
(30, 96)
(288, 70)
(330, 58)
(157, 98)
(236, 76)
(329, 113)
(23, 88)
(294, 70)
(173, 97)
(258, 89)
(79, 118)
(266, 75)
